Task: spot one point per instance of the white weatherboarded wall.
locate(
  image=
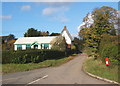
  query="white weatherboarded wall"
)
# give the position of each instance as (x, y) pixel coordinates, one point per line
(50, 46)
(23, 47)
(67, 38)
(39, 46)
(15, 47)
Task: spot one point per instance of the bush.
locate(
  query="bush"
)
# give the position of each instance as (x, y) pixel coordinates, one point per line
(28, 56)
(59, 44)
(109, 48)
(7, 56)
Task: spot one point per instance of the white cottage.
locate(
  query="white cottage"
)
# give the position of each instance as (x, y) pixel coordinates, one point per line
(65, 33)
(44, 42)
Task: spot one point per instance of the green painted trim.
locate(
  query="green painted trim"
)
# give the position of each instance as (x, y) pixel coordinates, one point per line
(28, 45)
(35, 43)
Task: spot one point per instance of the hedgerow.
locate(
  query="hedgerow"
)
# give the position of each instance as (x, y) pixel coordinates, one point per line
(109, 48)
(28, 56)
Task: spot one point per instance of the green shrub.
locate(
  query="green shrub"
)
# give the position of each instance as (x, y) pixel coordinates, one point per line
(109, 48)
(7, 56)
(28, 56)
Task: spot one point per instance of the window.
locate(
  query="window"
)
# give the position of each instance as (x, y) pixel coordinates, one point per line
(35, 46)
(19, 47)
(46, 46)
(28, 46)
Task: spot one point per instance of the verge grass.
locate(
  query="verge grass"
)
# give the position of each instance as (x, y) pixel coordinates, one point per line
(98, 68)
(11, 68)
(0, 69)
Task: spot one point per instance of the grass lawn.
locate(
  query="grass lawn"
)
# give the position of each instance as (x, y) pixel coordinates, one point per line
(10, 68)
(98, 68)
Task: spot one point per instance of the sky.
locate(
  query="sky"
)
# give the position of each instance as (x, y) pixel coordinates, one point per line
(17, 17)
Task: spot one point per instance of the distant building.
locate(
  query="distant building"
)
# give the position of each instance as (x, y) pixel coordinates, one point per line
(44, 42)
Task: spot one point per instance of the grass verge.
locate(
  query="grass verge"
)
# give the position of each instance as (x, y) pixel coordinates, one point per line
(0, 69)
(98, 68)
(11, 68)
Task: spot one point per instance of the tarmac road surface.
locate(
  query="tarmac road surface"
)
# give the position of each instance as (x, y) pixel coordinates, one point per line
(68, 73)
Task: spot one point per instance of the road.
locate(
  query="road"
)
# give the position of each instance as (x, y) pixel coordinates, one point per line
(68, 73)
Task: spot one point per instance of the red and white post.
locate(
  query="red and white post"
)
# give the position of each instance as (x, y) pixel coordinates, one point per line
(107, 61)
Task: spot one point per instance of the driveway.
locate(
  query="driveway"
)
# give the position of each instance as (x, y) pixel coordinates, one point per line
(68, 73)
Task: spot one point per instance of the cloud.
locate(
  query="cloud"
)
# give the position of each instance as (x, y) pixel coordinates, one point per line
(56, 13)
(64, 19)
(53, 10)
(26, 8)
(57, 4)
(6, 17)
(61, 19)
(49, 11)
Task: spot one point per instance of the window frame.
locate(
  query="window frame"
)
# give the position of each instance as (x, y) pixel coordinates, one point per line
(19, 47)
(28, 46)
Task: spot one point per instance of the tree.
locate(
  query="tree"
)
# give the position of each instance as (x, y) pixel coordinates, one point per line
(47, 33)
(59, 43)
(10, 45)
(109, 47)
(44, 33)
(78, 43)
(54, 34)
(113, 32)
(104, 20)
(8, 42)
(31, 32)
(11, 36)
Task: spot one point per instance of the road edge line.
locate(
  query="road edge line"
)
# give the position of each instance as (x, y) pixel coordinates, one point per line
(100, 78)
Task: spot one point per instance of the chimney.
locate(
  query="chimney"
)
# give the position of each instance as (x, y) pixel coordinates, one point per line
(65, 28)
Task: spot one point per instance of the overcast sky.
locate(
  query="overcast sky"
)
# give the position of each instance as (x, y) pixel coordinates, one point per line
(17, 17)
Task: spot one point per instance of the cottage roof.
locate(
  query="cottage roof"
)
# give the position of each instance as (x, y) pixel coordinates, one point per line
(30, 40)
(65, 29)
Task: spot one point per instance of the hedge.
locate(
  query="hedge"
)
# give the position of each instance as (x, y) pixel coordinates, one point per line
(109, 47)
(28, 56)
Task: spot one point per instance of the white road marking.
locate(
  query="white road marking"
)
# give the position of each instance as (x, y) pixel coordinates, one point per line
(38, 79)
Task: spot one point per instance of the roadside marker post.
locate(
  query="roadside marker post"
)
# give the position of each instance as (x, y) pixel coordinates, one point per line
(107, 61)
